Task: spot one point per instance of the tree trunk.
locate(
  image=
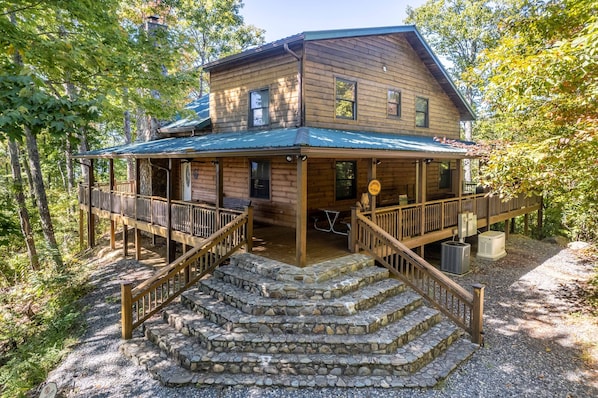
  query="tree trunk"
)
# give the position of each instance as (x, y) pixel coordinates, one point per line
(128, 134)
(29, 180)
(20, 198)
(40, 194)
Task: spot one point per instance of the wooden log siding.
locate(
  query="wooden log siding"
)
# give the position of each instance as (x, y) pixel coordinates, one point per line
(321, 177)
(396, 177)
(278, 209)
(361, 60)
(229, 93)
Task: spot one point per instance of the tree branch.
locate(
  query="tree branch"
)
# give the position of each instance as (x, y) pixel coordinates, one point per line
(22, 8)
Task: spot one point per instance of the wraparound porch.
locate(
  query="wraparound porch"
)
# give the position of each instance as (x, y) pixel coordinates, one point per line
(190, 223)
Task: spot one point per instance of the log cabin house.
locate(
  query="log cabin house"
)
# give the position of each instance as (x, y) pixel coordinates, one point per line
(303, 130)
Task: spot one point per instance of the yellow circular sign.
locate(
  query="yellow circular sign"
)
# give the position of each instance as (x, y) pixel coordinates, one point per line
(374, 187)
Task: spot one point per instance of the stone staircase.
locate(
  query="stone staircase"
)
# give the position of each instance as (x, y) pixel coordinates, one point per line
(340, 323)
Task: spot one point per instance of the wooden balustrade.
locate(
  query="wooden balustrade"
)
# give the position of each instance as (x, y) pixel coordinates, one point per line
(196, 219)
(405, 221)
(141, 302)
(463, 307)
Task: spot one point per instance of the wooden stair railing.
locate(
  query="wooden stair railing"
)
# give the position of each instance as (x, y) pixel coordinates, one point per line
(141, 302)
(464, 308)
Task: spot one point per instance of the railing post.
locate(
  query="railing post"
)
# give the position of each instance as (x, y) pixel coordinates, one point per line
(353, 231)
(249, 236)
(126, 310)
(477, 315)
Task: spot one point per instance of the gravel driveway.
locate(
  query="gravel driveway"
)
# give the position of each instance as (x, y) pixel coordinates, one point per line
(532, 342)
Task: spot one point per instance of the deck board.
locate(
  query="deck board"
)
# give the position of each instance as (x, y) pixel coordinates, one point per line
(278, 243)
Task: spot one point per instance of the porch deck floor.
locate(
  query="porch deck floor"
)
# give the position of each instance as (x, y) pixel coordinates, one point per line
(278, 243)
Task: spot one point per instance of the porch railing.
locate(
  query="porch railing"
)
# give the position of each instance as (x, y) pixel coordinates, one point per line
(141, 302)
(464, 308)
(196, 219)
(406, 221)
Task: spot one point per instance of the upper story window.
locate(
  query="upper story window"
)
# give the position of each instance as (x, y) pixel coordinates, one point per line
(346, 99)
(260, 179)
(259, 101)
(422, 114)
(393, 107)
(346, 180)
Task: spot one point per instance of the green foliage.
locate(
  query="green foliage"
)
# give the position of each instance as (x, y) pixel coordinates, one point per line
(542, 95)
(25, 102)
(40, 319)
(459, 30)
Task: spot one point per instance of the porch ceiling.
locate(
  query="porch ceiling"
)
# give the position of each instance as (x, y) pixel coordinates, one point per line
(312, 141)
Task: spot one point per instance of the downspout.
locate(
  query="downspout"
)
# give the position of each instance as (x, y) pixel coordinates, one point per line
(299, 84)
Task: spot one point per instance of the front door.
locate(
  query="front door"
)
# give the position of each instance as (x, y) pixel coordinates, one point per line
(186, 180)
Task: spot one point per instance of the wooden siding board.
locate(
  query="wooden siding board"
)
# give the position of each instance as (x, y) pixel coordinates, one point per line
(361, 60)
(229, 97)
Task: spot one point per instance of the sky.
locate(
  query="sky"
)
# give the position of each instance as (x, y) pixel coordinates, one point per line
(283, 18)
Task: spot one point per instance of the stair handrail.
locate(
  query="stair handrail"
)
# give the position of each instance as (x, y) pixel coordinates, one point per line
(463, 307)
(144, 300)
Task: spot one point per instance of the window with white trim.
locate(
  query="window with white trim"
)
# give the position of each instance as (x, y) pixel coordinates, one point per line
(259, 101)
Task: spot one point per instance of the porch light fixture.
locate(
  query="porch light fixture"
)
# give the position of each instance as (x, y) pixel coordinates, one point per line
(428, 161)
(290, 158)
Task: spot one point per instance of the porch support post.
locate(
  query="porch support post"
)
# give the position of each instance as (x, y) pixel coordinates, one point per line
(507, 228)
(125, 239)
(137, 193)
(112, 222)
(460, 183)
(526, 224)
(301, 214)
(90, 220)
(423, 174)
(219, 190)
(170, 247)
(81, 227)
(372, 176)
(488, 210)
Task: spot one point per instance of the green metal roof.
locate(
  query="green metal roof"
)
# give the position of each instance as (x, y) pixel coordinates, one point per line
(218, 144)
(201, 119)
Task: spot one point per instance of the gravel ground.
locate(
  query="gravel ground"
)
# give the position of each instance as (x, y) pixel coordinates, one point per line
(533, 342)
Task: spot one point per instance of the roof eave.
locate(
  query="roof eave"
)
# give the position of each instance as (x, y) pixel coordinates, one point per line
(184, 129)
(466, 111)
(266, 49)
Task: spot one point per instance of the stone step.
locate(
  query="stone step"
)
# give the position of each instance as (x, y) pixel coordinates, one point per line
(385, 340)
(363, 322)
(313, 274)
(331, 288)
(188, 352)
(170, 373)
(362, 299)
